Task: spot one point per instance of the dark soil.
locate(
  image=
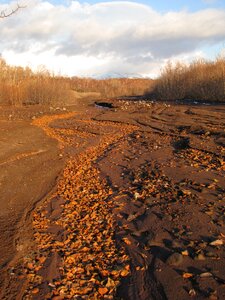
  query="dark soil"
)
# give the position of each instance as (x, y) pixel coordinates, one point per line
(165, 167)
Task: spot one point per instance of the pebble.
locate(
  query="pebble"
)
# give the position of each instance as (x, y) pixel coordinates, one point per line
(200, 256)
(176, 244)
(206, 275)
(213, 297)
(192, 293)
(210, 254)
(202, 245)
(137, 233)
(175, 259)
(136, 196)
(148, 201)
(131, 217)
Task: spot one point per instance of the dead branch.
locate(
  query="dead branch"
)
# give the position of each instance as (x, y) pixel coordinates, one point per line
(5, 14)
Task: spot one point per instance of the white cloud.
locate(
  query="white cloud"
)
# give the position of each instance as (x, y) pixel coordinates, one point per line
(118, 36)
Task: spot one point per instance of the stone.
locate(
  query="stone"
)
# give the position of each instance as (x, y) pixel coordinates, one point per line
(176, 244)
(206, 275)
(174, 259)
(200, 256)
(210, 254)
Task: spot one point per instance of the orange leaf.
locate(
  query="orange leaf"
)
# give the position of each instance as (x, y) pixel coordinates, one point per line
(187, 275)
(124, 273)
(35, 291)
(103, 291)
(127, 241)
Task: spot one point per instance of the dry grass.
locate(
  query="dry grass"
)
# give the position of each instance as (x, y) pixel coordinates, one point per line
(111, 88)
(201, 80)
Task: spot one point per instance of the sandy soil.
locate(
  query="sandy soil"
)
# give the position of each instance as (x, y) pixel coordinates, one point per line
(146, 178)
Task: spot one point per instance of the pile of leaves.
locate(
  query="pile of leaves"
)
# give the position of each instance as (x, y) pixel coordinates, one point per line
(203, 159)
(80, 236)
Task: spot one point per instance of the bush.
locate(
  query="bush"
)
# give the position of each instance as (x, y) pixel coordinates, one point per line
(201, 80)
(20, 86)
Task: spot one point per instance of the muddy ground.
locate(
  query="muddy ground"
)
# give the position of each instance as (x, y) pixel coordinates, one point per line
(147, 177)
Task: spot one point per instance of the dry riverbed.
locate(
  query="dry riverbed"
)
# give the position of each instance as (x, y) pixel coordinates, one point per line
(119, 203)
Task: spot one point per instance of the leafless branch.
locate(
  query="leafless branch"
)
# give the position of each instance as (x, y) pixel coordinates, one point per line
(5, 14)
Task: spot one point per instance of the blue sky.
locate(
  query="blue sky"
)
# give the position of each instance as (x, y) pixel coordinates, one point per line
(166, 5)
(88, 38)
(160, 5)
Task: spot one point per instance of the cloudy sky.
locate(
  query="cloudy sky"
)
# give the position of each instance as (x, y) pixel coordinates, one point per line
(96, 38)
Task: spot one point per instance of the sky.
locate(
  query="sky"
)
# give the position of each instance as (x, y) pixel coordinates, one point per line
(111, 38)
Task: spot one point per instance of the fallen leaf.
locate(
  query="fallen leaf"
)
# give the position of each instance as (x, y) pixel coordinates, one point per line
(110, 283)
(127, 241)
(124, 273)
(35, 290)
(185, 253)
(103, 291)
(216, 243)
(187, 275)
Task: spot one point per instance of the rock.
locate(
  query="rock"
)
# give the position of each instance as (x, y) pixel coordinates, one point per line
(182, 143)
(210, 254)
(189, 112)
(200, 256)
(213, 297)
(176, 244)
(188, 233)
(137, 196)
(206, 275)
(148, 201)
(202, 245)
(151, 239)
(174, 259)
(192, 293)
(186, 192)
(137, 233)
(131, 217)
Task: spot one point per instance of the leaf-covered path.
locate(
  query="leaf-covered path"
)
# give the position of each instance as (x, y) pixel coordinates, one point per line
(74, 229)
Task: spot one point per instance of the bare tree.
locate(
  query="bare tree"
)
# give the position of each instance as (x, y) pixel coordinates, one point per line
(5, 13)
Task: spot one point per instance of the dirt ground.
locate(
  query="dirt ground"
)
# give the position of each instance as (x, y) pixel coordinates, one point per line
(120, 203)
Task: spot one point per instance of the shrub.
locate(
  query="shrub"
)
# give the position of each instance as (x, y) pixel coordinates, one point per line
(201, 80)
